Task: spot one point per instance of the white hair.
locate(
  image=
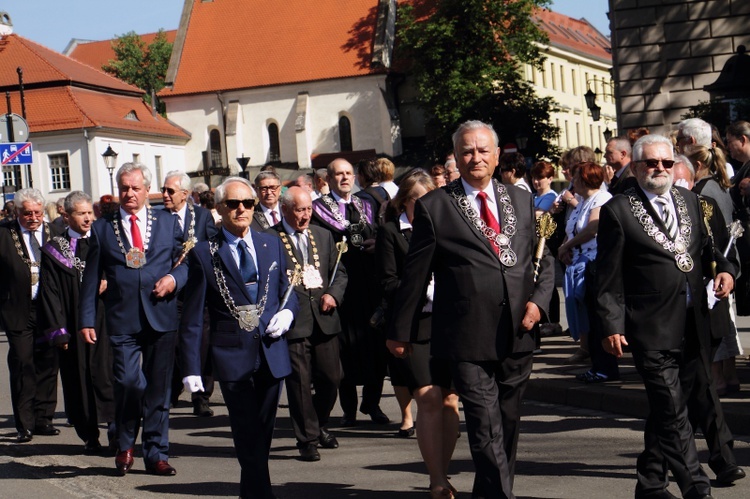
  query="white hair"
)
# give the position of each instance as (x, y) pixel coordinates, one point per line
(696, 129)
(131, 167)
(28, 195)
(184, 179)
(649, 140)
(473, 125)
(221, 191)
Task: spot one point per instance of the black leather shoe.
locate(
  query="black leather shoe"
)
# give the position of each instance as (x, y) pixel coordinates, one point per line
(730, 474)
(92, 448)
(201, 409)
(326, 440)
(309, 453)
(46, 430)
(24, 436)
(348, 420)
(377, 416)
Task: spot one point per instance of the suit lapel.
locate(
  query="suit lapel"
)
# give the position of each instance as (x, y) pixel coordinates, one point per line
(263, 261)
(186, 224)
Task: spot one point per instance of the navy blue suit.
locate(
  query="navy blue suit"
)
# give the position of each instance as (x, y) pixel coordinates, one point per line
(249, 365)
(138, 324)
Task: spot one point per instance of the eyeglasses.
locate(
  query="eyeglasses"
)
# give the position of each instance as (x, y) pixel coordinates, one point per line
(269, 188)
(233, 204)
(653, 163)
(168, 190)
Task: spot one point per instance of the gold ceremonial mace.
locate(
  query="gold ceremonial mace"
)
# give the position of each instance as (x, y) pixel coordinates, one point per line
(342, 247)
(545, 227)
(708, 212)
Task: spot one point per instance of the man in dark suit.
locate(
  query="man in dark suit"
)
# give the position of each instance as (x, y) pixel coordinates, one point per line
(363, 352)
(267, 212)
(197, 224)
(477, 237)
(654, 245)
(85, 370)
(136, 250)
(313, 341)
(241, 276)
(32, 365)
(617, 155)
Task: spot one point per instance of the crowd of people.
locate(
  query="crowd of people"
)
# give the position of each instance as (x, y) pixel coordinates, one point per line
(343, 277)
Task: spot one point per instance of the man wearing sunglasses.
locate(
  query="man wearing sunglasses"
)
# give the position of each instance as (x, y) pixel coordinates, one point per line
(654, 244)
(241, 276)
(197, 224)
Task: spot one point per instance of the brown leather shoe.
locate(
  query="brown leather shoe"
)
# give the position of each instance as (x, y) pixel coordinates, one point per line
(161, 468)
(124, 461)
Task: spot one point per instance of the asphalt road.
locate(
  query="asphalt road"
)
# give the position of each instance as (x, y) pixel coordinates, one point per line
(563, 453)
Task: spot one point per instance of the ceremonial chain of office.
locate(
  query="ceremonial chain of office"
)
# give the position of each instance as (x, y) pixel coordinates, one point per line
(679, 246)
(508, 229)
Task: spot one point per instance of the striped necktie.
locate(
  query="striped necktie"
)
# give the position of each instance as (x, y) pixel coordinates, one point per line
(666, 215)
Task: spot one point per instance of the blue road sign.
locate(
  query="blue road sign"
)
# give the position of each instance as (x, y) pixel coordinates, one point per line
(15, 153)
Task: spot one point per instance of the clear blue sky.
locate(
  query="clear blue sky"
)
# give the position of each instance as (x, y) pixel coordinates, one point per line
(53, 23)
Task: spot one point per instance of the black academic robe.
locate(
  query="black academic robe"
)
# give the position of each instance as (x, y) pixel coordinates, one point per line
(85, 369)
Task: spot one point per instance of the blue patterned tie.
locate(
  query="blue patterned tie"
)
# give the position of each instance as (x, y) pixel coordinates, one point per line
(248, 270)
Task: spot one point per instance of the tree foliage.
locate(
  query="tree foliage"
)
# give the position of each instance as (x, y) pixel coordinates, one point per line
(720, 113)
(144, 66)
(466, 56)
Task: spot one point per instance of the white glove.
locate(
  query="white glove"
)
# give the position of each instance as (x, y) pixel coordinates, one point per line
(429, 296)
(280, 323)
(193, 384)
(711, 296)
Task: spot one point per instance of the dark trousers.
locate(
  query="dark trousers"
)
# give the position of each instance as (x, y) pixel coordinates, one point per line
(206, 367)
(315, 362)
(491, 394)
(142, 364)
(668, 437)
(252, 413)
(372, 391)
(705, 412)
(33, 377)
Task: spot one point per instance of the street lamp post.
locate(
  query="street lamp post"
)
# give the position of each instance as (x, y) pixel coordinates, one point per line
(110, 160)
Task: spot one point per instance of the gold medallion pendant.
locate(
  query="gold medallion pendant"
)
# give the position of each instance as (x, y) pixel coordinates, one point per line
(135, 258)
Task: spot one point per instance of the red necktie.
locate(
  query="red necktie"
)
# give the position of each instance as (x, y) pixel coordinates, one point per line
(135, 233)
(487, 217)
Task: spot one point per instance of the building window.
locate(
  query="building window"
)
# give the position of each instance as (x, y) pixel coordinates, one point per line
(12, 175)
(214, 148)
(158, 167)
(573, 79)
(544, 76)
(567, 135)
(274, 148)
(59, 172)
(562, 78)
(345, 134)
(136, 158)
(552, 73)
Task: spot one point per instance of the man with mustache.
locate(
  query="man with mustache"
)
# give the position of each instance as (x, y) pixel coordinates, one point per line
(654, 244)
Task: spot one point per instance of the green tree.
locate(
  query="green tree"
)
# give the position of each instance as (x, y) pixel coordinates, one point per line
(144, 66)
(466, 56)
(718, 113)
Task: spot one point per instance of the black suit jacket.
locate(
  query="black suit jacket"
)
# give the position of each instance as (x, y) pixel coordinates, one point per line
(474, 291)
(390, 250)
(309, 299)
(205, 228)
(15, 278)
(618, 185)
(642, 293)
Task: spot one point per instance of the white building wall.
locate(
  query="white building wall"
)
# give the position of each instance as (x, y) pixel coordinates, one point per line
(86, 165)
(360, 99)
(566, 76)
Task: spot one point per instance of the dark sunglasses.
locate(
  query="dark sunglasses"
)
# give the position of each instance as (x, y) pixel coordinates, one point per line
(653, 163)
(233, 204)
(168, 190)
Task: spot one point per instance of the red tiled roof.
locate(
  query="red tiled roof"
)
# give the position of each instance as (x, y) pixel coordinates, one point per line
(67, 108)
(574, 34)
(42, 66)
(236, 44)
(98, 53)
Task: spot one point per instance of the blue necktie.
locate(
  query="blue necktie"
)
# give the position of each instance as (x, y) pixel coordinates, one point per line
(248, 270)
